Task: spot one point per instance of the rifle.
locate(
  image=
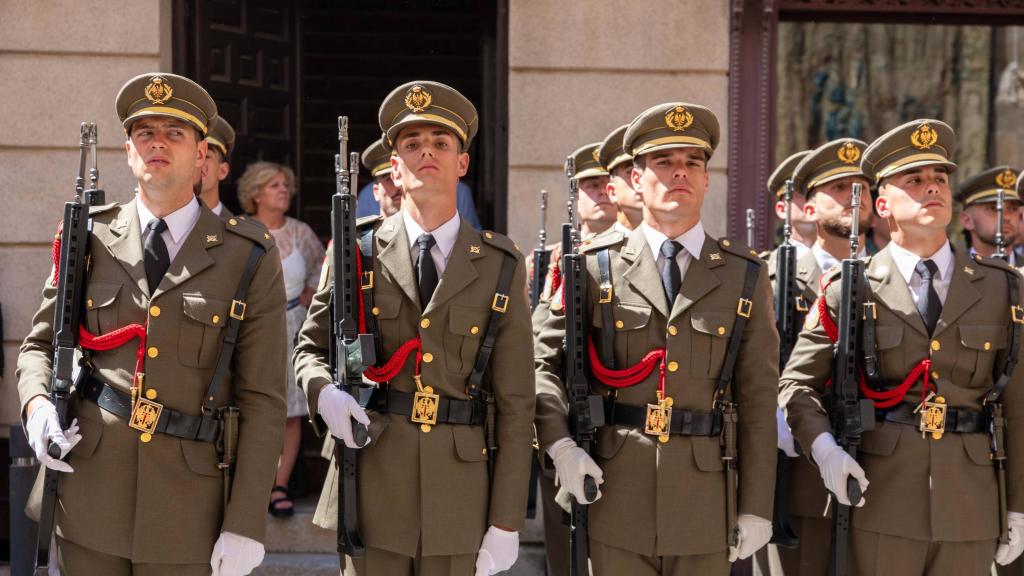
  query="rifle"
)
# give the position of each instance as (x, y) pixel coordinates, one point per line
(352, 352)
(586, 410)
(541, 256)
(850, 415)
(750, 227)
(785, 322)
(1000, 237)
(67, 319)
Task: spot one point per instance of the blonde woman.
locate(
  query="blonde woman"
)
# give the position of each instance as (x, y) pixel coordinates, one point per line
(265, 191)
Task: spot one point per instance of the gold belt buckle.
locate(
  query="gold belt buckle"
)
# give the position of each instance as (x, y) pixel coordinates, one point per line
(659, 419)
(144, 418)
(933, 418)
(424, 408)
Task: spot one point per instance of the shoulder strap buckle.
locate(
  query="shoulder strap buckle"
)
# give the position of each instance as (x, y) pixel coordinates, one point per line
(605, 295)
(1017, 314)
(367, 280)
(744, 308)
(500, 302)
(238, 309)
(874, 311)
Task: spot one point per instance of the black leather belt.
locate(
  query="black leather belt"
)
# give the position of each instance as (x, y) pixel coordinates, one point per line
(171, 422)
(683, 423)
(449, 410)
(960, 420)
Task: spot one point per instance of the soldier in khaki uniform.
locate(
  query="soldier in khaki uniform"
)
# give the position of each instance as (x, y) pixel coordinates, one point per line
(426, 503)
(220, 143)
(612, 156)
(944, 325)
(151, 502)
(802, 232)
(824, 181)
(980, 218)
(662, 505)
(377, 159)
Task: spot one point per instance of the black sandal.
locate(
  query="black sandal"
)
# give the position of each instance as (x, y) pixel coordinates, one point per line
(281, 512)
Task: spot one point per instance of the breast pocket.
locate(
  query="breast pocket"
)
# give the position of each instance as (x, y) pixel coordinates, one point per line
(201, 332)
(631, 337)
(466, 327)
(709, 341)
(890, 353)
(976, 353)
(101, 307)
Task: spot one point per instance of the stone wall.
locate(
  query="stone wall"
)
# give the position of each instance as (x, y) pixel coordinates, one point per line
(577, 71)
(61, 63)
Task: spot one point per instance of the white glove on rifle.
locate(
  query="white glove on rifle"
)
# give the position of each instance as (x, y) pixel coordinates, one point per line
(572, 465)
(786, 442)
(338, 408)
(498, 552)
(235, 555)
(42, 428)
(1007, 553)
(835, 466)
(752, 532)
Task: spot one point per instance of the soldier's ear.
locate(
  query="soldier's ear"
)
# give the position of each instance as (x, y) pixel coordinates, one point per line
(463, 163)
(810, 212)
(966, 220)
(634, 178)
(202, 149)
(223, 170)
(882, 205)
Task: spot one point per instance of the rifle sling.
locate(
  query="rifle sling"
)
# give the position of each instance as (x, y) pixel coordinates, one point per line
(483, 355)
(607, 349)
(1012, 352)
(736, 338)
(366, 264)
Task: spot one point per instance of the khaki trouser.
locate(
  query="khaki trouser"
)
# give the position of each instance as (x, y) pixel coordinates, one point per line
(883, 555)
(75, 560)
(556, 533)
(610, 561)
(377, 562)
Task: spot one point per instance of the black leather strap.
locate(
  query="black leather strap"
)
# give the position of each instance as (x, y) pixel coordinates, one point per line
(1016, 313)
(683, 422)
(498, 307)
(171, 422)
(959, 420)
(449, 410)
(736, 338)
(366, 284)
(604, 292)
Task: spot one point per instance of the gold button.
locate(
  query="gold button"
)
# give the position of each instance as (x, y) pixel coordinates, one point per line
(428, 357)
(153, 352)
(988, 345)
(233, 222)
(721, 330)
(488, 235)
(425, 323)
(154, 311)
(215, 319)
(483, 451)
(145, 437)
(151, 393)
(726, 243)
(474, 330)
(936, 346)
(376, 311)
(266, 236)
(672, 330)
(619, 324)
(89, 302)
(673, 366)
(935, 375)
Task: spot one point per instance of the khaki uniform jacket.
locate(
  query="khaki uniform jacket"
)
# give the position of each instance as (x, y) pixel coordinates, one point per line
(429, 493)
(669, 499)
(925, 489)
(162, 501)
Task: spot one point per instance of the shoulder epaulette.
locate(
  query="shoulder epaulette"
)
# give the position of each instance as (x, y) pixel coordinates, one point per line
(102, 208)
(740, 249)
(252, 230)
(367, 220)
(500, 241)
(602, 241)
(993, 262)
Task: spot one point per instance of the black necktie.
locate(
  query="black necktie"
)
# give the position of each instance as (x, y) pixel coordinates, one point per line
(670, 276)
(154, 254)
(928, 303)
(426, 270)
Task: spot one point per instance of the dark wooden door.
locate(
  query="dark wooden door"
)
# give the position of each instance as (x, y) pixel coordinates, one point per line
(244, 53)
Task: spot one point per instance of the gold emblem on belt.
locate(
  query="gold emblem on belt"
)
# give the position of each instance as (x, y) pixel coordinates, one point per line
(659, 419)
(424, 405)
(933, 416)
(145, 416)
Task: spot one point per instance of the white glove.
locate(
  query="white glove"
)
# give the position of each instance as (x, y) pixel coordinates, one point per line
(338, 408)
(786, 442)
(498, 552)
(752, 532)
(42, 428)
(235, 555)
(1007, 553)
(572, 464)
(835, 466)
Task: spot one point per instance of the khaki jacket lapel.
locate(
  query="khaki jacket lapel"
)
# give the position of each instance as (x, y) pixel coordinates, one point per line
(642, 273)
(459, 271)
(808, 275)
(700, 278)
(891, 290)
(192, 258)
(395, 256)
(123, 239)
(962, 294)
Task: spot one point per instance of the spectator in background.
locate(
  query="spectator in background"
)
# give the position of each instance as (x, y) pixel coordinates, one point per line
(369, 206)
(387, 194)
(265, 191)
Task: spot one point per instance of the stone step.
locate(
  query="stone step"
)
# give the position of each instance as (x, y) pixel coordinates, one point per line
(298, 534)
(286, 564)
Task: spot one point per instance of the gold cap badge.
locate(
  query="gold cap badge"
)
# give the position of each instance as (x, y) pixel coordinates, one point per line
(418, 99)
(678, 118)
(158, 91)
(924, 137)
(595, 155)
(1006, 179)
(848, 153)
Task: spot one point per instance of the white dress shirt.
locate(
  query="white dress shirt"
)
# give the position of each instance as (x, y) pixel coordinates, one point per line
(179, 224)
(692, 241)
(218, 208)
(827, 261)
(801, 248)
(444, 235)
(906, 261)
